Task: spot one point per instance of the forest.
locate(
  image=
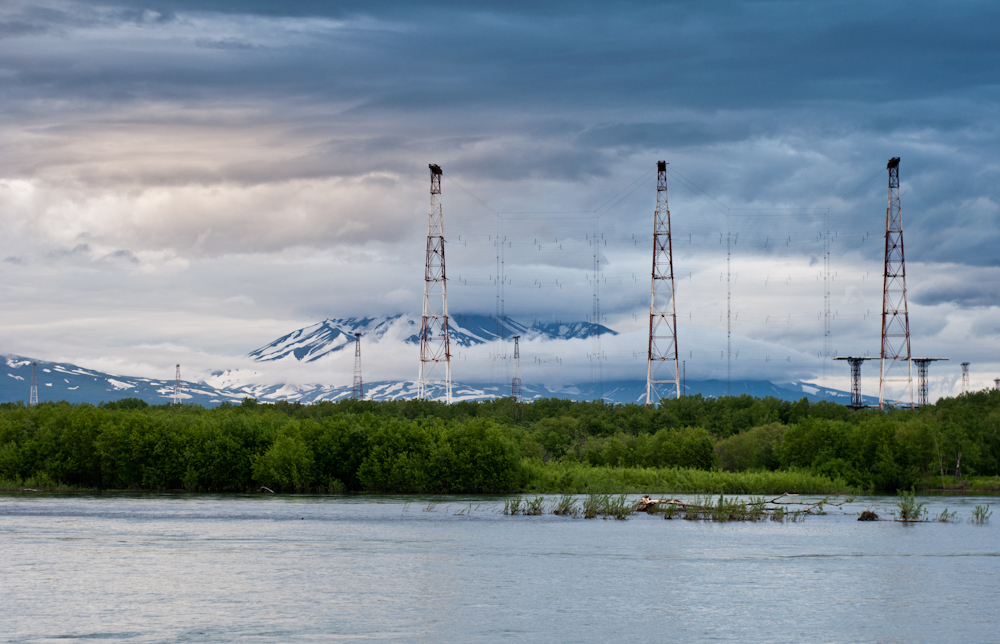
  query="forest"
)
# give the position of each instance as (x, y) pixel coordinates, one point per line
(692, 444)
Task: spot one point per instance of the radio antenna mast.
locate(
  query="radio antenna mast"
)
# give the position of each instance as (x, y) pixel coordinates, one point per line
(177, 386)
(896, 372)
(434, 343)
(33, 396)
(359, 389)
(661, 364)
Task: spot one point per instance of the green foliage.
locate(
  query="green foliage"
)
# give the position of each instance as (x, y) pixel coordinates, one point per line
(566, 506)
(981, 514)
(947, 517)
(692, 444)
(286, 466)
(908, 507)
(753, 449)
(580, 478)
(535, 506)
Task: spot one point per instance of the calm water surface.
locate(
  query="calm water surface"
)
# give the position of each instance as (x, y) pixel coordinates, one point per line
(183, 568)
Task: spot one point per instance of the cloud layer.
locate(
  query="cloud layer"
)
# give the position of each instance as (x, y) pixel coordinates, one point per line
(184, 181)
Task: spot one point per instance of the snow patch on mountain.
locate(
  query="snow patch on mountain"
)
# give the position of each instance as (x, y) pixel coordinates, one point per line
(314, 342)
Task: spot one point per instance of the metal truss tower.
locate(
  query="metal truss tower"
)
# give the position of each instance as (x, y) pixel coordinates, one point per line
(359, 388)
(597, 357)
(515, 382)
(177, 385)
(896, 371)
(922, 364)
(965, 377)
(857, 402)
(996, 384)
(33, 395)
(435, 351)
(661, 365)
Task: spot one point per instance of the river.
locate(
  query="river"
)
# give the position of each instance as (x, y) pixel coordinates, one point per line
(208, 568)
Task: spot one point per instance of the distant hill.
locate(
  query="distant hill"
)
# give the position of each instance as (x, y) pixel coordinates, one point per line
(63, 381)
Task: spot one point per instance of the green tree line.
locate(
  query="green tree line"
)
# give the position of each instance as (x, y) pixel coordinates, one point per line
(485, 447)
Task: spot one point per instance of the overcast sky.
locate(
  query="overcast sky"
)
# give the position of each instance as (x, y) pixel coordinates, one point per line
(184, 181)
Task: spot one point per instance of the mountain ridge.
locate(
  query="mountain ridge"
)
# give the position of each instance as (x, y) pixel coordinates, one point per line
(321, 339)
(65, 381)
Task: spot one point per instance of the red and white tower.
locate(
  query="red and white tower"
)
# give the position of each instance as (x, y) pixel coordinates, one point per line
(435, 353)
(662, 368)
(896, 373)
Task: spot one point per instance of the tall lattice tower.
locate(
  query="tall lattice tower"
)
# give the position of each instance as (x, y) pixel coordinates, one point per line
(177, 386)
(435, 352)
(965, 377)
(359, 388)
(896, 372)
(515, 382)
(662, 366)
(33, 395)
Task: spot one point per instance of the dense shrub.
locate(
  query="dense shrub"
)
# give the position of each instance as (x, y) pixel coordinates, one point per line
(491, 446)
(753, 449)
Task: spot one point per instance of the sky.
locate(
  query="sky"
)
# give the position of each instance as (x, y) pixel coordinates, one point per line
(185, 181)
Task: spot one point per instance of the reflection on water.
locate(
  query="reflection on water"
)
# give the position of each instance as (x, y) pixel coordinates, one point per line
(157, 568)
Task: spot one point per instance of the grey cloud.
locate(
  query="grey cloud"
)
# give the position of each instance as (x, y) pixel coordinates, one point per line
(668, 55)
(122, 254)
(225, 43)
(80, 250)
(659, 136)
(969, 287)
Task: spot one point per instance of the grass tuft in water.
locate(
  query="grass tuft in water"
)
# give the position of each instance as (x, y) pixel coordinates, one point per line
(513, 505)
(909, 508)
(981, 514)
(947, 517)
(534, 507)
(566, 506)
(592, 506)
(604, 505)
(618, 507)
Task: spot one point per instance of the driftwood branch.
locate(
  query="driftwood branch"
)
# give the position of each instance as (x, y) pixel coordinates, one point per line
(647, 504)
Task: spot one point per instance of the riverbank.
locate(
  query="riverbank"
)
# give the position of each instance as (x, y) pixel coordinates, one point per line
(577, 478)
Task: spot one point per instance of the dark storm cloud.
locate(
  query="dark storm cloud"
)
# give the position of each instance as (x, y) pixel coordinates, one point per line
(558, 92)
(700, 55)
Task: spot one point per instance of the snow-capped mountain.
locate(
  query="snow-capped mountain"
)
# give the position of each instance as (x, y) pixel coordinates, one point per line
(63, 381)
(313, 342)
(329, 336)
